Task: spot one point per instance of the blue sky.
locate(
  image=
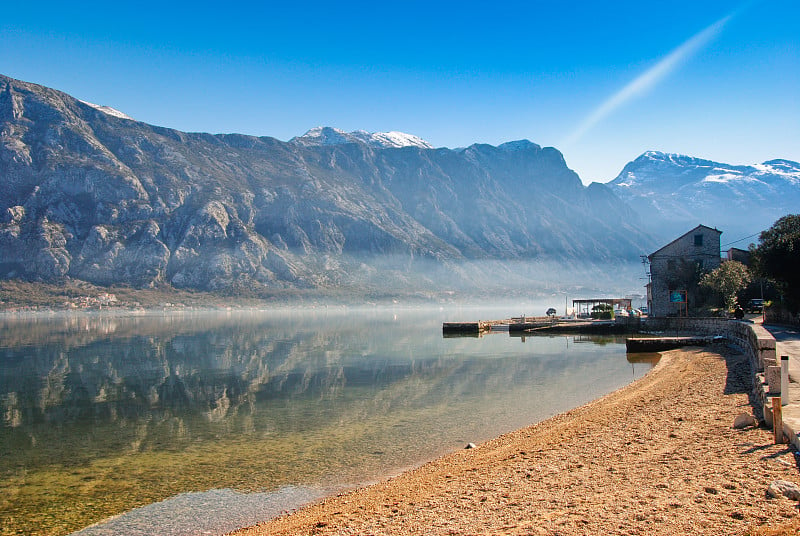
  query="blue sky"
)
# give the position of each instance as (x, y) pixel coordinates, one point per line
(602, 82)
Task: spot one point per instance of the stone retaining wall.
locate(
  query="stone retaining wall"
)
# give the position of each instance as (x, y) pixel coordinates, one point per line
(709, 326)
(757, 342)
(779, 315)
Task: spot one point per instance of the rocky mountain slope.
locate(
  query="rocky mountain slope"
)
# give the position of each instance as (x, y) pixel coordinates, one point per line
(99, 197)
(673, 193)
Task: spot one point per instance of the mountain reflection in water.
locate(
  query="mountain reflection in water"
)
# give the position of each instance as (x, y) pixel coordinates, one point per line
(106, 413)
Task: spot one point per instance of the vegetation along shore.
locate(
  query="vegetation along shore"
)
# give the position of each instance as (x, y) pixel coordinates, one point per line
(660, 456)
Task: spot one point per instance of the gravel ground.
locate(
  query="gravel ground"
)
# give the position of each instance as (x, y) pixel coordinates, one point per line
(659, 456)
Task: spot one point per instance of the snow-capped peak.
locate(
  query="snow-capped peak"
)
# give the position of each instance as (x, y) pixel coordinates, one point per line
(382, 140)
(322, 136)
(675, 159)
(108, 110)
(668, 172)
(391, 139)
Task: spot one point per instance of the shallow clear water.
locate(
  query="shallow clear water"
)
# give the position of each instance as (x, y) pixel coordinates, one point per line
(102, 414)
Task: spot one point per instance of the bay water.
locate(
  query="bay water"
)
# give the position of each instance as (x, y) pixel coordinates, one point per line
(199, 422)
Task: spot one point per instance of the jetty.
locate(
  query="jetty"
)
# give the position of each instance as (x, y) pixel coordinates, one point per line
(539, 325)
(517, 324)
(661, 344)
(464, 328)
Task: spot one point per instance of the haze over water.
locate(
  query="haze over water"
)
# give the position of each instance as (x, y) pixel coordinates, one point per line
(103, 413)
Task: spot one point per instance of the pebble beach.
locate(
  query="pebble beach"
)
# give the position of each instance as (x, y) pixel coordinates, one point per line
(659, 456)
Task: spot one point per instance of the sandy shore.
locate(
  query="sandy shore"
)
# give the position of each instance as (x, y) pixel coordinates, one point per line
(657, 457)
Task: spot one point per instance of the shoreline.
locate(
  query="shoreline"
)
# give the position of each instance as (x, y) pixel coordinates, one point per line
(659, 454)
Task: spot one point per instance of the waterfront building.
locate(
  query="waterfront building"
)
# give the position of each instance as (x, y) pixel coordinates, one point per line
(676, 268)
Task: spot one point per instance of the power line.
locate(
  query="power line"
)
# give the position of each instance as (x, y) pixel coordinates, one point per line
(745, 238)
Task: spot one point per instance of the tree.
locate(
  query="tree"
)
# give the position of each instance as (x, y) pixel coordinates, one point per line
(685, 274)
(603, 311)
(777, 257)
(727, 280)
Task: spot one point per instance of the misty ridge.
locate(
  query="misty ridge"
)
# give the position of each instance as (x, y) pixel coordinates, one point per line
(94, 196)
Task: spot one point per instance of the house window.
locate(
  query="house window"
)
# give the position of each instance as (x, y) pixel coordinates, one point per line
(698, 240)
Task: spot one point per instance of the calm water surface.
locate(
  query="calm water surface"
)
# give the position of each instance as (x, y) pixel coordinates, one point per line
(237, 416)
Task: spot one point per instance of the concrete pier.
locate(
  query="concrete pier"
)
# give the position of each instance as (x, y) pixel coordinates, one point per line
(465, 327)
(660, 344)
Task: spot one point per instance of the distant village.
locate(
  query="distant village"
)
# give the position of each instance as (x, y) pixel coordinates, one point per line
(103, 299)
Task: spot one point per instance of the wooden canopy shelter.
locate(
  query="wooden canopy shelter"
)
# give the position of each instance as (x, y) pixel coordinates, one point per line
(584, 307)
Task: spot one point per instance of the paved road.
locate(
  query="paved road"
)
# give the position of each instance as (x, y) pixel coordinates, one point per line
(787, 342)
(788, 338)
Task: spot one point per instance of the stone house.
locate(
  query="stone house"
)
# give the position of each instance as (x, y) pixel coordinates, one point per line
(675, 271)
(739, 255)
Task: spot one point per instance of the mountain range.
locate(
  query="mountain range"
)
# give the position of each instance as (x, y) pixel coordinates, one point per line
(98, 197)
(673, 192)
(93, 195)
